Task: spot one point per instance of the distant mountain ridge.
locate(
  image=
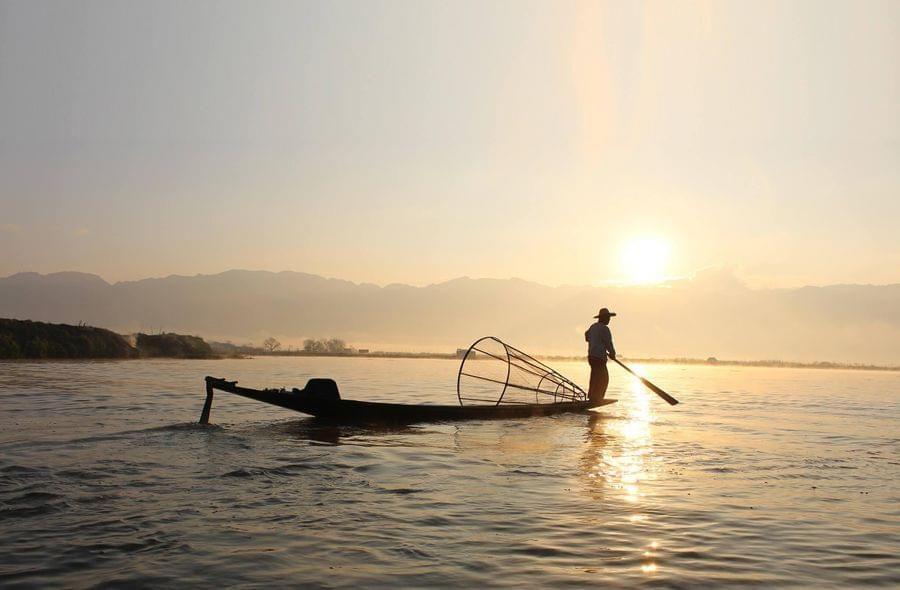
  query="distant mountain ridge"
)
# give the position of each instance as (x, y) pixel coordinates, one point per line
(712, 314)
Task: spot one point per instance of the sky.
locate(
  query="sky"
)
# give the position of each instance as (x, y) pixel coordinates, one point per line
(417, 142)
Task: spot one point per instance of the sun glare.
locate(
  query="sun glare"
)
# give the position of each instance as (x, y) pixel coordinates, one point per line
(645, 260)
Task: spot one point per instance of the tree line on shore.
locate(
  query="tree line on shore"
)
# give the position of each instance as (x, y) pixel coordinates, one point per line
(26, 339)
(39, 340)
(311, 346)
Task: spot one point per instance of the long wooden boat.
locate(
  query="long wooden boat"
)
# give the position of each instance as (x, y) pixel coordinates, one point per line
(321, 398)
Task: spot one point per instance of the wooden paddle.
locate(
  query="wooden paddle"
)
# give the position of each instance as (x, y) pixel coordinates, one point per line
(672, 401)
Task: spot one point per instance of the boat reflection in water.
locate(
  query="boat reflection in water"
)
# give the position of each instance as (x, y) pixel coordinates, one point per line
(618, 459)
(324, 432)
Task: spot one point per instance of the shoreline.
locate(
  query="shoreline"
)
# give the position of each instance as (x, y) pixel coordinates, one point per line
(775, 364)
(31, 340)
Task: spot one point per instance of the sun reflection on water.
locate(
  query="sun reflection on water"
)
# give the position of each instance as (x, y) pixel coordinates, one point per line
(649, 566)
(627, 464)
(619, 458)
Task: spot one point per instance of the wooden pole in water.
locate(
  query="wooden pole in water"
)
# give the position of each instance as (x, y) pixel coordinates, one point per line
(204, 415)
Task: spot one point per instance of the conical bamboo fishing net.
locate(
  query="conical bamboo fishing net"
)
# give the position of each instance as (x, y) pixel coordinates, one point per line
(493, 372)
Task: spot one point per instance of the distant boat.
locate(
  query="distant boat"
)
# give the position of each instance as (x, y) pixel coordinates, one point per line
(320, 398)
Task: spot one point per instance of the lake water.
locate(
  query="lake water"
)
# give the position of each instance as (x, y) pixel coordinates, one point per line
(760, 477)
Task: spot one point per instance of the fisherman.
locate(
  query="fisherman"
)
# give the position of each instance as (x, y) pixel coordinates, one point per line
(600, 344)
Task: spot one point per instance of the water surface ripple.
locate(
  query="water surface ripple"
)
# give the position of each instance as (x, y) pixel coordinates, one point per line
(761, 477)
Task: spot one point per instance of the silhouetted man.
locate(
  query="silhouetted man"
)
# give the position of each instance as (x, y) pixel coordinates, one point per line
(600, 343)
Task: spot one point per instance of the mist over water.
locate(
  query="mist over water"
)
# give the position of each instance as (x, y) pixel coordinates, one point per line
(760, 476)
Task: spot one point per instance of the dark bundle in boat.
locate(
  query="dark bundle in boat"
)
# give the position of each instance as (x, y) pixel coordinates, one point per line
(495, 380)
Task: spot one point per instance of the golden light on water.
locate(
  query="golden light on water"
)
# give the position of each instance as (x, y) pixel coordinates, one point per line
(636, 430)
(626, 464)
(646, 260)
(619, 458)
(650, 566)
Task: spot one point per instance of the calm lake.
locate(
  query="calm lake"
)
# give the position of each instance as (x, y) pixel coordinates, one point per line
(760, 477)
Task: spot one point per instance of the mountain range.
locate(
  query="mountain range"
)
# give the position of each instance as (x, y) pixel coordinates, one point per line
(710, 314)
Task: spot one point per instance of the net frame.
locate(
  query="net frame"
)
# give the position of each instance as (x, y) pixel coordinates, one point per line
(559, 387)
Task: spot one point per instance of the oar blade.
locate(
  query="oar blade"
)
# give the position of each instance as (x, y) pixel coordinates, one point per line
(672, 401)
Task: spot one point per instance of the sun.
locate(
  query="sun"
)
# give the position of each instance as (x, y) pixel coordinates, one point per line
(645, 259)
